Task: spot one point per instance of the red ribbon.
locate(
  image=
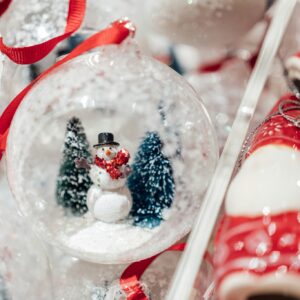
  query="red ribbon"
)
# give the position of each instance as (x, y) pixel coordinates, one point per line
(114, 34)
(217, 65)
(4, 4)
(32, 54)
(129, 280)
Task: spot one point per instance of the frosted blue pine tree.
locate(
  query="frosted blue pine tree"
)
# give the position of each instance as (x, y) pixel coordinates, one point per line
(151, 182)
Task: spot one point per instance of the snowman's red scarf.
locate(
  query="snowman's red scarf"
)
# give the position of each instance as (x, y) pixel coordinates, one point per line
(112, 167)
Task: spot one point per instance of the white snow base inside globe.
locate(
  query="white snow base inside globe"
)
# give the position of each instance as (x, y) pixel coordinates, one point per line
(118, 90)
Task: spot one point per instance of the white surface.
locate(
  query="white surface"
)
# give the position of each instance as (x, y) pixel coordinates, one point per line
(268, 182)
(204, 23)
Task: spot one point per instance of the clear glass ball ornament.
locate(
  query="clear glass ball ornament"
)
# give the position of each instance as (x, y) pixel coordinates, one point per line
(24, 268)
(31, 22)
(204, 23)
(75, 279)
(116, 89)
(13, 79)
(26, 23)
(222, 92)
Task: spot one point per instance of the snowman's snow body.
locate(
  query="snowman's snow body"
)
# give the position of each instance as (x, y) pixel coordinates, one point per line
(108, 199)
(109, 205)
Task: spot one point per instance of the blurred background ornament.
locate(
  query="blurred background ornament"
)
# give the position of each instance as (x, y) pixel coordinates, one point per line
(27, 23)
(205, 24)
(222, 91)
(289, 46)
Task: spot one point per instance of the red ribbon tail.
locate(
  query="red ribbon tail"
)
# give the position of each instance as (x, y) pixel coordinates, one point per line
(214, 66)
(4, 4)
(129, 280)
(34, 53)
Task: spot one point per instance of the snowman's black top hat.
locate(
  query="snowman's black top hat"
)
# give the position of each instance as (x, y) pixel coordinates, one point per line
(104, 139)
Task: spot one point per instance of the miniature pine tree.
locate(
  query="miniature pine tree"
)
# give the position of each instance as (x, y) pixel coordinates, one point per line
(151, 182)
(72, 182)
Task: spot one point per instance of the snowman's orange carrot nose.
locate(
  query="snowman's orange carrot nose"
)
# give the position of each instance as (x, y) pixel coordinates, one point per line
(107, 152)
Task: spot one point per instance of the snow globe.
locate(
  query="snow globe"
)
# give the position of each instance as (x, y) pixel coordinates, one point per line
(109, 156)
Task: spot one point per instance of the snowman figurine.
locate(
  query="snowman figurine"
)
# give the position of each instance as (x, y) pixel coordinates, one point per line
(108, 199)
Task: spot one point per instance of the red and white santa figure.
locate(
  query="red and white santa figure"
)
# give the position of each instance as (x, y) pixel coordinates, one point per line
(108, 199)
(257, 246)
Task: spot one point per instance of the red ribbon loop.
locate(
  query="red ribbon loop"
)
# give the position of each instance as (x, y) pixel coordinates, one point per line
(4, 4)
(115, 34)
(129, 280)
(34, 53)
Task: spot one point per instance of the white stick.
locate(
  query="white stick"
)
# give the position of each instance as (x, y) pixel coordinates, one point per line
(191, 259)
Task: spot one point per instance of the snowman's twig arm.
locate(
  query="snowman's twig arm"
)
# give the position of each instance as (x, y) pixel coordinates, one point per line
(127, 171)
(82, 163)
